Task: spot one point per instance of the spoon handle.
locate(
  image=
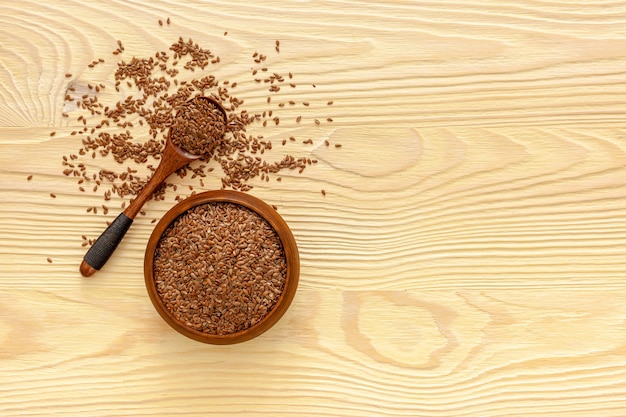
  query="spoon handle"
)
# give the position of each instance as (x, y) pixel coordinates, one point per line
(105, 245)
(172, 159)
(103, 248)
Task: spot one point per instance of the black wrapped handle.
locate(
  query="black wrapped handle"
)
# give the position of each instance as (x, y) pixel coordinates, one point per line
(106, 244)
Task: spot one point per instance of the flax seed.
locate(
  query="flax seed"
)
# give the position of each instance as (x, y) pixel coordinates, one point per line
(225, 290)
(199, 128)
(111, 131)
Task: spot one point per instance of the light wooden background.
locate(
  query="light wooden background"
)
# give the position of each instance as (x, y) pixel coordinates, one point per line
(468, 259)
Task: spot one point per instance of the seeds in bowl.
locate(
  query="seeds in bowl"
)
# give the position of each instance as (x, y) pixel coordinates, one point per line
(219, 268)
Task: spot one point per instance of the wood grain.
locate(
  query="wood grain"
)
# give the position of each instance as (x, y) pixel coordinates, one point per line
(466, 260)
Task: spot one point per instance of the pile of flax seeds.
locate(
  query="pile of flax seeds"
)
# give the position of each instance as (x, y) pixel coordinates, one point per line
(131, 132)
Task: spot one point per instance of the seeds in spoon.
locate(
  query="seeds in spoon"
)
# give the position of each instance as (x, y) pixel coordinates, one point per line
(219, 268)
(198, 127)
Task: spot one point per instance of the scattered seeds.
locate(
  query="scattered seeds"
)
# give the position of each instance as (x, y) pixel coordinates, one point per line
(156, 94)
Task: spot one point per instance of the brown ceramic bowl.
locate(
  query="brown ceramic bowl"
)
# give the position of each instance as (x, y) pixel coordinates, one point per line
(291, 256)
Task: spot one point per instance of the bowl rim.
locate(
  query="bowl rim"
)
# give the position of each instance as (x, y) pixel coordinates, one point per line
(285, 235)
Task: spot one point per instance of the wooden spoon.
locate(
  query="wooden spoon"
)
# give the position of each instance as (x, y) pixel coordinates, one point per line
(173, 158)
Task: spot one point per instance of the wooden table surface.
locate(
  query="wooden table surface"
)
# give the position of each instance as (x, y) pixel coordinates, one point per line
(467, 259)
